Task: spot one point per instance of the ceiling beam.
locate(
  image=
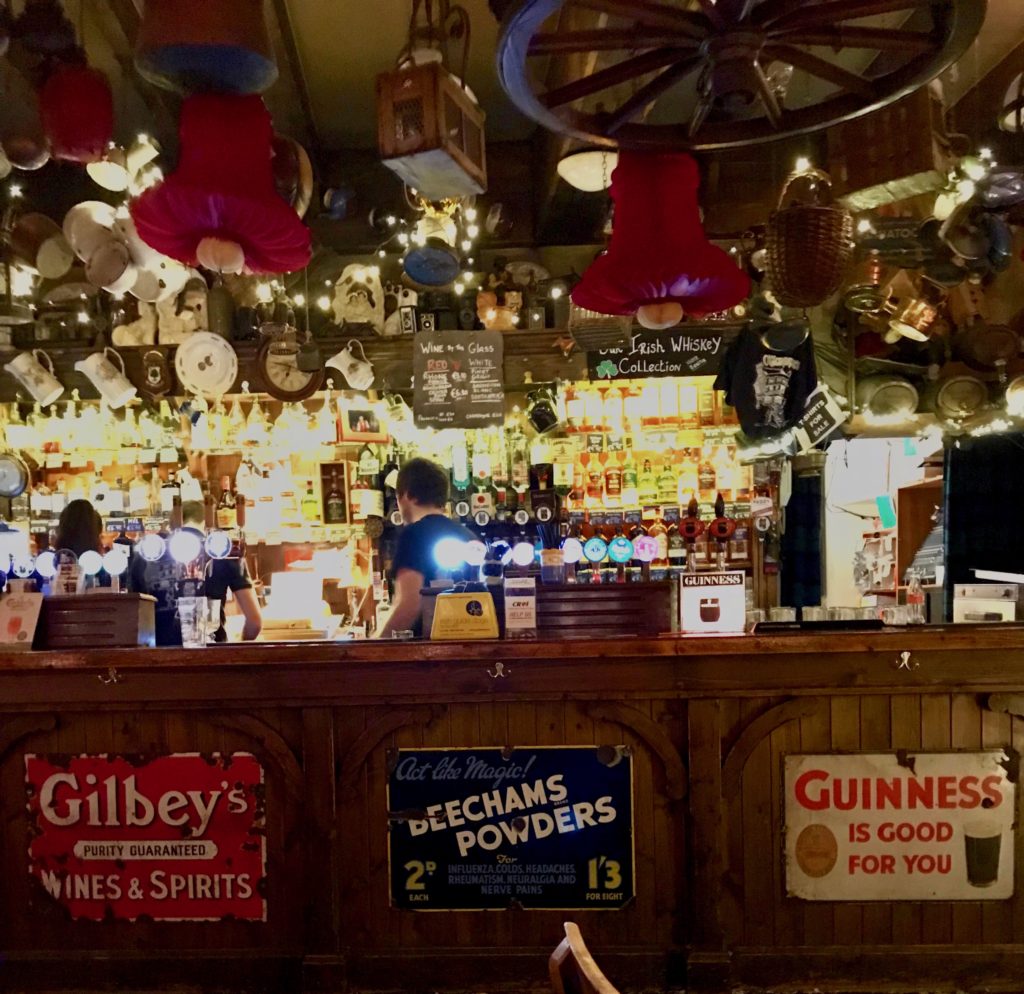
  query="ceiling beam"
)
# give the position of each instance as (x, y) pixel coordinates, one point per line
(291, 49)
(563, 70)
(120, 21)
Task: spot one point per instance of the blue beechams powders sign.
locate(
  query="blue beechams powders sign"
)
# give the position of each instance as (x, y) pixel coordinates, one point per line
(537, 827)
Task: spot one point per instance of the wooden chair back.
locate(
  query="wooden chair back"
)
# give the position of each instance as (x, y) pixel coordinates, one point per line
(572, 968)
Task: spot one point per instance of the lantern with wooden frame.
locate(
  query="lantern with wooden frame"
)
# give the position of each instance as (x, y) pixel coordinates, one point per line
(430, 127)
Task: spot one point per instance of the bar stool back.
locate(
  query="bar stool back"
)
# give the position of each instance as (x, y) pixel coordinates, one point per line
(572, 968)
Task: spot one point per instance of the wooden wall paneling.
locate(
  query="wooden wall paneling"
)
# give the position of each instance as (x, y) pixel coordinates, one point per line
(381, 926)
(18, 924)
(997, 916)
(849, 917)
(758, 895)
(906, 734)
(788, 913)
(639, 917)
(285, 850)
(494, 731)
(1017, 733)
(965, 733)
(733, 916)
(708, 959)
(353, 843)
(671, 897)
(322, 873)
(464, 730)
(540, 930)
(819, 916)
(413, 928)
(876, 736)
(936, 918)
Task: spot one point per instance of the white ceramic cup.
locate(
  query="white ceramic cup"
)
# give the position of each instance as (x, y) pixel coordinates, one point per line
(34, 371)
(358, 372)
(109, 379)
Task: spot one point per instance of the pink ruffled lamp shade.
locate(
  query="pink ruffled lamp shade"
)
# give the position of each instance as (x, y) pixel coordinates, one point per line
(77, 111)
(659, 265)
(219, 209)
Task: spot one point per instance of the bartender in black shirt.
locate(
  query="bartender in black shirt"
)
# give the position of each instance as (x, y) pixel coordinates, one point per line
(422, 490)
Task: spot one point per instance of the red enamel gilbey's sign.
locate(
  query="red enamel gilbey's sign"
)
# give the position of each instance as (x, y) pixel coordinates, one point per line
(174, 838)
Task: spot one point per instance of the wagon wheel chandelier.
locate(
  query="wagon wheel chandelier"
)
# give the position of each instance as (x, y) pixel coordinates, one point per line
(714, 74)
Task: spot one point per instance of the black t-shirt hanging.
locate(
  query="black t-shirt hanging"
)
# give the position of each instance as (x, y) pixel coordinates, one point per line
(768, 389)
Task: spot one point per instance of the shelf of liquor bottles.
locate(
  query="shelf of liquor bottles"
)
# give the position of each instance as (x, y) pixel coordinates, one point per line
(284, 463)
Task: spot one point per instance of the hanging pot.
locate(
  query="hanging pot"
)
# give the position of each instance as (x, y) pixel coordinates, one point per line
(1015, 397)
(808, 245)
(784, 336)
(957, 394)
(887, 395)
(964, 234)
(986, 346)
(863, 294)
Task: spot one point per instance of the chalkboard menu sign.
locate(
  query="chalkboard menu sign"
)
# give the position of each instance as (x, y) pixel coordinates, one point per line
(696, 351)
(457, 378)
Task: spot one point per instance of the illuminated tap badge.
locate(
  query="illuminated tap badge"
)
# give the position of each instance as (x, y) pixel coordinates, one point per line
(175, 838)
(713, 602)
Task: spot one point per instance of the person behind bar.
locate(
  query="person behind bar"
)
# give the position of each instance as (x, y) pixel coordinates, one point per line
(161, 580)
(422, 489)
(79, 528)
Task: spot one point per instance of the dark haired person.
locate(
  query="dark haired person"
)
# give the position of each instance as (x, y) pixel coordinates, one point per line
(79, 528)
(161, 580)
(422, 489)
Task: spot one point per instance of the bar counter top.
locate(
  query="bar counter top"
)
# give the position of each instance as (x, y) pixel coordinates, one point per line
(794, 661)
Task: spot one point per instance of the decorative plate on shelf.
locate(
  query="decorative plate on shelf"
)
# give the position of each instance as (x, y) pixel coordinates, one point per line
(206, 364)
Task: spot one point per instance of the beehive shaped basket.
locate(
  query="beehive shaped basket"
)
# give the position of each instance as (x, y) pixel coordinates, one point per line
(808, 247)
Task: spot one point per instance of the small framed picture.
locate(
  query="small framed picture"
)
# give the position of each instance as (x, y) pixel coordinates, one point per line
(359, 422)
(535, 318)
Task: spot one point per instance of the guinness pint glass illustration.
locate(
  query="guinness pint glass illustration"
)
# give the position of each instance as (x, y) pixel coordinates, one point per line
(981, 844)
(710, 609)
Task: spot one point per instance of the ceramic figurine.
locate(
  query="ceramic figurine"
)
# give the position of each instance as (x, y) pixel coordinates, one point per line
(359, 297)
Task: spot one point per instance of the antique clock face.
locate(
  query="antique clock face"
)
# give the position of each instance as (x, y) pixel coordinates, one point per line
(282, 377)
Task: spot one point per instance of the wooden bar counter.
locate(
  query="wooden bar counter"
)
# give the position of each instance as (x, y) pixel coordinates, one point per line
(707, 722)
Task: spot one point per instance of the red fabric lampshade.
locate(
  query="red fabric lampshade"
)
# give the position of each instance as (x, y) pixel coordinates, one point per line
(220, 205)
(77, 110)
(659, 264)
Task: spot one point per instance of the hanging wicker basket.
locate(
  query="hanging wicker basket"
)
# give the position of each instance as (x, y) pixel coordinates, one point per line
(809, 245)
(593, 332)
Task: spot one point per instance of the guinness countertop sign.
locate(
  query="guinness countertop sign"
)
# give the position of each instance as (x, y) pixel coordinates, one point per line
(683, 351)
(713, 602)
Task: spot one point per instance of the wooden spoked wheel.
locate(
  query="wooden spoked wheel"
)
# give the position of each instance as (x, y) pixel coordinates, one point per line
(713, 74)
